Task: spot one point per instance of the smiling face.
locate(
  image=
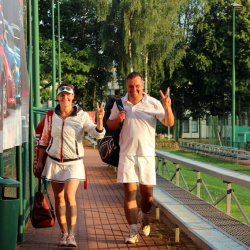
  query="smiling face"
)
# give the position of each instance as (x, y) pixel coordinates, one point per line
(65, 99)
(135, 89)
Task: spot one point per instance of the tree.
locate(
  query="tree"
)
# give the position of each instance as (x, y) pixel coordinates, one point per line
(81, 54)
(202, 82)
(210, 54)
(141, 35)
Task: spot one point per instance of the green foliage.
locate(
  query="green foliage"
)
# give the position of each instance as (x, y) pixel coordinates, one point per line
(82, 59)
(141, 36)
(46, 95)
(161, 128)
(184, 45)
(202, 82)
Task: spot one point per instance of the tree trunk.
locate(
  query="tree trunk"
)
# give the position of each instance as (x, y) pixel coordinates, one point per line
(130, 50)
(94, 97)
(146, 75)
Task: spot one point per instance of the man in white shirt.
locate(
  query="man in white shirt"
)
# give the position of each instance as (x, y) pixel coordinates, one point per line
(137, 148)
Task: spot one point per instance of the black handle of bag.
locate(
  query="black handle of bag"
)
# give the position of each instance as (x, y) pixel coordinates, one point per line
(39, 190)
(119, 104)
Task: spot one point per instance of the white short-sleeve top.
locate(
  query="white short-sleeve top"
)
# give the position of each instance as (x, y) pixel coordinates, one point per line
(137, 136)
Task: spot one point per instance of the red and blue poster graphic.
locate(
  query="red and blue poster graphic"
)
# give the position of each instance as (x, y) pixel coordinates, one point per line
(14, 83)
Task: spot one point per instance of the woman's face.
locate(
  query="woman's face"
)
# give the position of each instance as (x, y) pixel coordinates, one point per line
(65, 99)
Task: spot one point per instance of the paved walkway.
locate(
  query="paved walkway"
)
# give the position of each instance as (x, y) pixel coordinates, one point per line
(101, 222)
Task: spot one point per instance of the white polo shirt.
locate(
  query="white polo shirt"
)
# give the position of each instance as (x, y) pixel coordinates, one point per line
(137, 136)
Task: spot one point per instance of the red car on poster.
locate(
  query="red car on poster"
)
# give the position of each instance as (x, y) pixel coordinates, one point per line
(7, 89)
(6, 83)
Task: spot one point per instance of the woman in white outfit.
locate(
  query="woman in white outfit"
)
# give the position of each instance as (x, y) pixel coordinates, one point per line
(64, 165)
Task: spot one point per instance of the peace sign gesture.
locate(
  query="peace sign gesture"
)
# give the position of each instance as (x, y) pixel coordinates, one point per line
(100, 111)
(166, 100)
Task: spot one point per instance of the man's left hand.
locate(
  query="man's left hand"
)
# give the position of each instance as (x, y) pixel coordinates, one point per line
(166, 100)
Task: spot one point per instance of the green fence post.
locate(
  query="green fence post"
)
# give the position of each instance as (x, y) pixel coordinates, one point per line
(177, 130)
(31, 120)
(1, 164)
(20, 193)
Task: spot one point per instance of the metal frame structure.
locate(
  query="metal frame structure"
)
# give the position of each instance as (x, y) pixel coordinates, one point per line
(227, 176)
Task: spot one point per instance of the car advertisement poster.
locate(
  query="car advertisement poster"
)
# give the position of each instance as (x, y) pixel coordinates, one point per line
(14, 83)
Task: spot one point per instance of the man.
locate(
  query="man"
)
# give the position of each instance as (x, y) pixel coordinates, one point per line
(137, 148)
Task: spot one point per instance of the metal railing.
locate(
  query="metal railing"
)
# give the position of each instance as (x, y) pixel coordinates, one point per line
(227, 176)
(216, 150)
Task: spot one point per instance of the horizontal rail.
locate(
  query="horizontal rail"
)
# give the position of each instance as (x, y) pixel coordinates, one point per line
(220, 173)
(91, 140)
(221, 151)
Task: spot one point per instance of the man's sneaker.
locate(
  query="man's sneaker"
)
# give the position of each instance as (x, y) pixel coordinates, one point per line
(71, 241)
(132, 238)
(63, 239)
(145, 227)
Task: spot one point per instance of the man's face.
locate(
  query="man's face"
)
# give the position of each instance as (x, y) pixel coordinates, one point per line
(135, 87)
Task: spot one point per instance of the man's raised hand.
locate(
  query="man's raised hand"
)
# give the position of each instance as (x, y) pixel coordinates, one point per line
(166, 100)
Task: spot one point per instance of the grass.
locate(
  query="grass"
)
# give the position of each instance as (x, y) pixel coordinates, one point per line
(215, 186)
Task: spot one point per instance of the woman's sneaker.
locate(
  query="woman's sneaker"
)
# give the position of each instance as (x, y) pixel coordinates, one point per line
(133, 237)
(71, 241)
(145, 228)
(63, 240)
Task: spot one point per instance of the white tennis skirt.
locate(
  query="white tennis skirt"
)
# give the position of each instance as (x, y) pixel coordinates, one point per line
(63, 171)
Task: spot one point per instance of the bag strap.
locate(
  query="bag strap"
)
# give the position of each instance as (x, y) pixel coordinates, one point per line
(119, 104)
(39, 190)
(39, 184)
(49, 115)
(120, 107)
(51, 207)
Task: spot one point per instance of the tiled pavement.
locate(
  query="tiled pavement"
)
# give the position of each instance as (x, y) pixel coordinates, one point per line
(101, 222)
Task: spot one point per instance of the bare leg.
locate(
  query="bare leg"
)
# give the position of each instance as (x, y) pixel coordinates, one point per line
(71, 207)
(130, 204)
(146, 198)
(58, 190)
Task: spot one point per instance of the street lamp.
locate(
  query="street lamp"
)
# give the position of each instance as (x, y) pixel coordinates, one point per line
(234, 6)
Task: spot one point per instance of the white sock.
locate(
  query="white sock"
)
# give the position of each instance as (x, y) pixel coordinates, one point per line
(133, 227)
(143, 215)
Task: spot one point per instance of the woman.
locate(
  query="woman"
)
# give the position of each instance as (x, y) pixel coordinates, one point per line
(64, 165)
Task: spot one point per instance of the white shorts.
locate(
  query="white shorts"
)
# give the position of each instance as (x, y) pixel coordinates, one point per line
(133, 169)
(63, 171)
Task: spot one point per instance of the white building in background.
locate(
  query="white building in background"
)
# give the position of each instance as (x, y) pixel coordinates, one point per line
(113, 86)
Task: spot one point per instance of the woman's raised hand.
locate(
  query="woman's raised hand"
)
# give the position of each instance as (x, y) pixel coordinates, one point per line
(100, 111)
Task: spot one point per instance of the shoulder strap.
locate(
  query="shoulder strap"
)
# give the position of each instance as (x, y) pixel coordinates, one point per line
(50, 112)
(49, 115)
(40, 190)
(119, 104)
(120, 107)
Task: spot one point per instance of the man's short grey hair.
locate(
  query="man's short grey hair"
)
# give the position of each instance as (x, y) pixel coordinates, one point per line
(133, 75)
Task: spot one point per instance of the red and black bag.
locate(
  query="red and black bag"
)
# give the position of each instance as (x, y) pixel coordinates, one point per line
(42, 214)
(38, 135)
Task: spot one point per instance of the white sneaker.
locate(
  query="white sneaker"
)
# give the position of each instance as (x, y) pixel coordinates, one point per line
(63, 240)
(133, 237)
(145, 227)
(71, 242)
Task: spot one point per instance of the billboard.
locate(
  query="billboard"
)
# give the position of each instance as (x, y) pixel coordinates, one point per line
(14, 83)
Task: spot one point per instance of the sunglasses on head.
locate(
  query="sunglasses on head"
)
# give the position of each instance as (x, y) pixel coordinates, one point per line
(65, 88)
